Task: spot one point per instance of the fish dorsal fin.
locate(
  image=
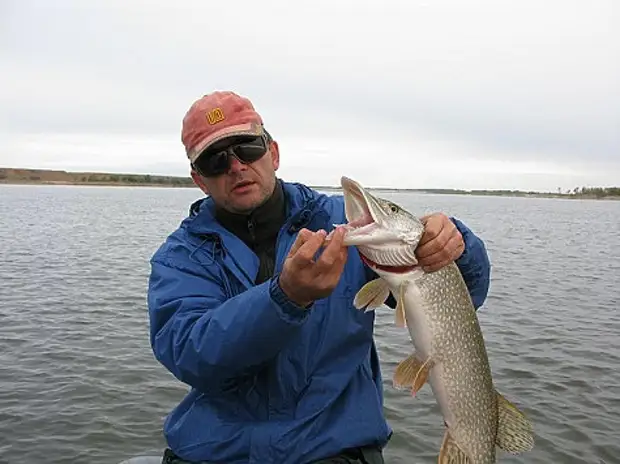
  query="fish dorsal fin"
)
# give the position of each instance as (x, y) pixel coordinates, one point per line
(514, 430)
(372, 295)
(450, 453)
(399, 316)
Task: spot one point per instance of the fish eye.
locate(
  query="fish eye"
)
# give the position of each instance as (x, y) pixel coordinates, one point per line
(394, 208)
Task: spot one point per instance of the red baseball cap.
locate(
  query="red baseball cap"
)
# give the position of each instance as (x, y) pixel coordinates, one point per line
(216, 116)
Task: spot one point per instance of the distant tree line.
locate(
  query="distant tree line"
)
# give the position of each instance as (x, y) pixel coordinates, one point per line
(38, 175)
(137, 179)
(598, 192)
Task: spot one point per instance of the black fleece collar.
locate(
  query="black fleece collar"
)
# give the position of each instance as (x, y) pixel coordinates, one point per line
(261, 225)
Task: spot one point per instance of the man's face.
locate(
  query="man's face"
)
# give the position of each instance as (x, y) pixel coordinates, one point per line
(243, 187)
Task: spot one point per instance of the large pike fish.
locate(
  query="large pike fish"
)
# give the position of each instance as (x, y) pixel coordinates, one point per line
(449, 349)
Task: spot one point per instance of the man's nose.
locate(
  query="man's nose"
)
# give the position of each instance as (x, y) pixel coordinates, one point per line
(236, 165)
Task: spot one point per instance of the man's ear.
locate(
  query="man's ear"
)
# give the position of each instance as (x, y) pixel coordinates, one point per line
(197, 178)
(275, 154)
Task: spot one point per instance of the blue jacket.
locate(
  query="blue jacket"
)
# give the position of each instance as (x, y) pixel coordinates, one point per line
(270, 382)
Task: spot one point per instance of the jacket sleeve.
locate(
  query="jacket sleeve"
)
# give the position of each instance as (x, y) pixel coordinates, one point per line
(207, 340)
(474, 264)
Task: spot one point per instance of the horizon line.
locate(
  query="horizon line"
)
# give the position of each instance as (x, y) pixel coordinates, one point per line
(188, 179)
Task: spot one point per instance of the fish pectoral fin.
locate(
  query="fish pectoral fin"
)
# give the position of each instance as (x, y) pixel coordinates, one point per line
(372, 295)
(515, 433)
(450, 453)
(412, 373)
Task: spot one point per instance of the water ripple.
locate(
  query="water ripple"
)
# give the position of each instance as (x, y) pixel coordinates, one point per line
(79, 384)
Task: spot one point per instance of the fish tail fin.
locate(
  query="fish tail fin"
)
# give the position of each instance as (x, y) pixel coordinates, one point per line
(450, 453)
(514, 430)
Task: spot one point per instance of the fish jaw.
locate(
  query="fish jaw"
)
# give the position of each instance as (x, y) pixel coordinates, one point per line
(358, 203)
(370, 234)
(384, 233)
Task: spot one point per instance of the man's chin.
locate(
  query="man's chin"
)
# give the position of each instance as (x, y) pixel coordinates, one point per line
(245, 204)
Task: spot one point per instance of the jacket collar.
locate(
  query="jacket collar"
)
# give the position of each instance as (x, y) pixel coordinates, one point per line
(237, 256)
(299, 199)
(262, 224)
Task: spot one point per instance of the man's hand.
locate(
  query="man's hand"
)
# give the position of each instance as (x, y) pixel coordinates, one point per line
(305, 279)
(441, 244)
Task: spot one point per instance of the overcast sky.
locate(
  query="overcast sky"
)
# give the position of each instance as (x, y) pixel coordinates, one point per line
(439, 93)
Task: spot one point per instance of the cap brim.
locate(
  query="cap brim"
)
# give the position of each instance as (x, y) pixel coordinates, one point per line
(250, 128)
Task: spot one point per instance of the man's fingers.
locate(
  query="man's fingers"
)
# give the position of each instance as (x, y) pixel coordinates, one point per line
(444, 255)
(302, 237)
(434, 243)
(429, 248)
(433, 227)
(308, 280)
(308, 249)
(335, 250)
(438, 250)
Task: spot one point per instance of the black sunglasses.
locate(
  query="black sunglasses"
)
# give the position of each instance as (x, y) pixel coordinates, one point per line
(214, 162)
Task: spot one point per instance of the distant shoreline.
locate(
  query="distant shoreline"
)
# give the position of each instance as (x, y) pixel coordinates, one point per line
(97, 184)
(18, 176)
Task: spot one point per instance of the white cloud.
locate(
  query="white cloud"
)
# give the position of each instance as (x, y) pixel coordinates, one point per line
(527, 90)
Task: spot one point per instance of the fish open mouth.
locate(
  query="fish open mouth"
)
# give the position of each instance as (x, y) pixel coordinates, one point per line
(367, 223)
(368, 229)
(359, 216)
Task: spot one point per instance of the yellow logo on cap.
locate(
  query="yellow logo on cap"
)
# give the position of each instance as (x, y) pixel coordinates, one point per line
(215, 115)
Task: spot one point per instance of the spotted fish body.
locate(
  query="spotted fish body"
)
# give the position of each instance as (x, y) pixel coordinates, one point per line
(444, 328)
(449, 349)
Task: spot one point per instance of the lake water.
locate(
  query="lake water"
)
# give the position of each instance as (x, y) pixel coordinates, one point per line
(79, 384)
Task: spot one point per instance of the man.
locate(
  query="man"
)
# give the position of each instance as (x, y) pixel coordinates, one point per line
(254, 312)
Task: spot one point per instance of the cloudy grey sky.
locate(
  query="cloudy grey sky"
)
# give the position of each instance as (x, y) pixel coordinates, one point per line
(436, 93)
